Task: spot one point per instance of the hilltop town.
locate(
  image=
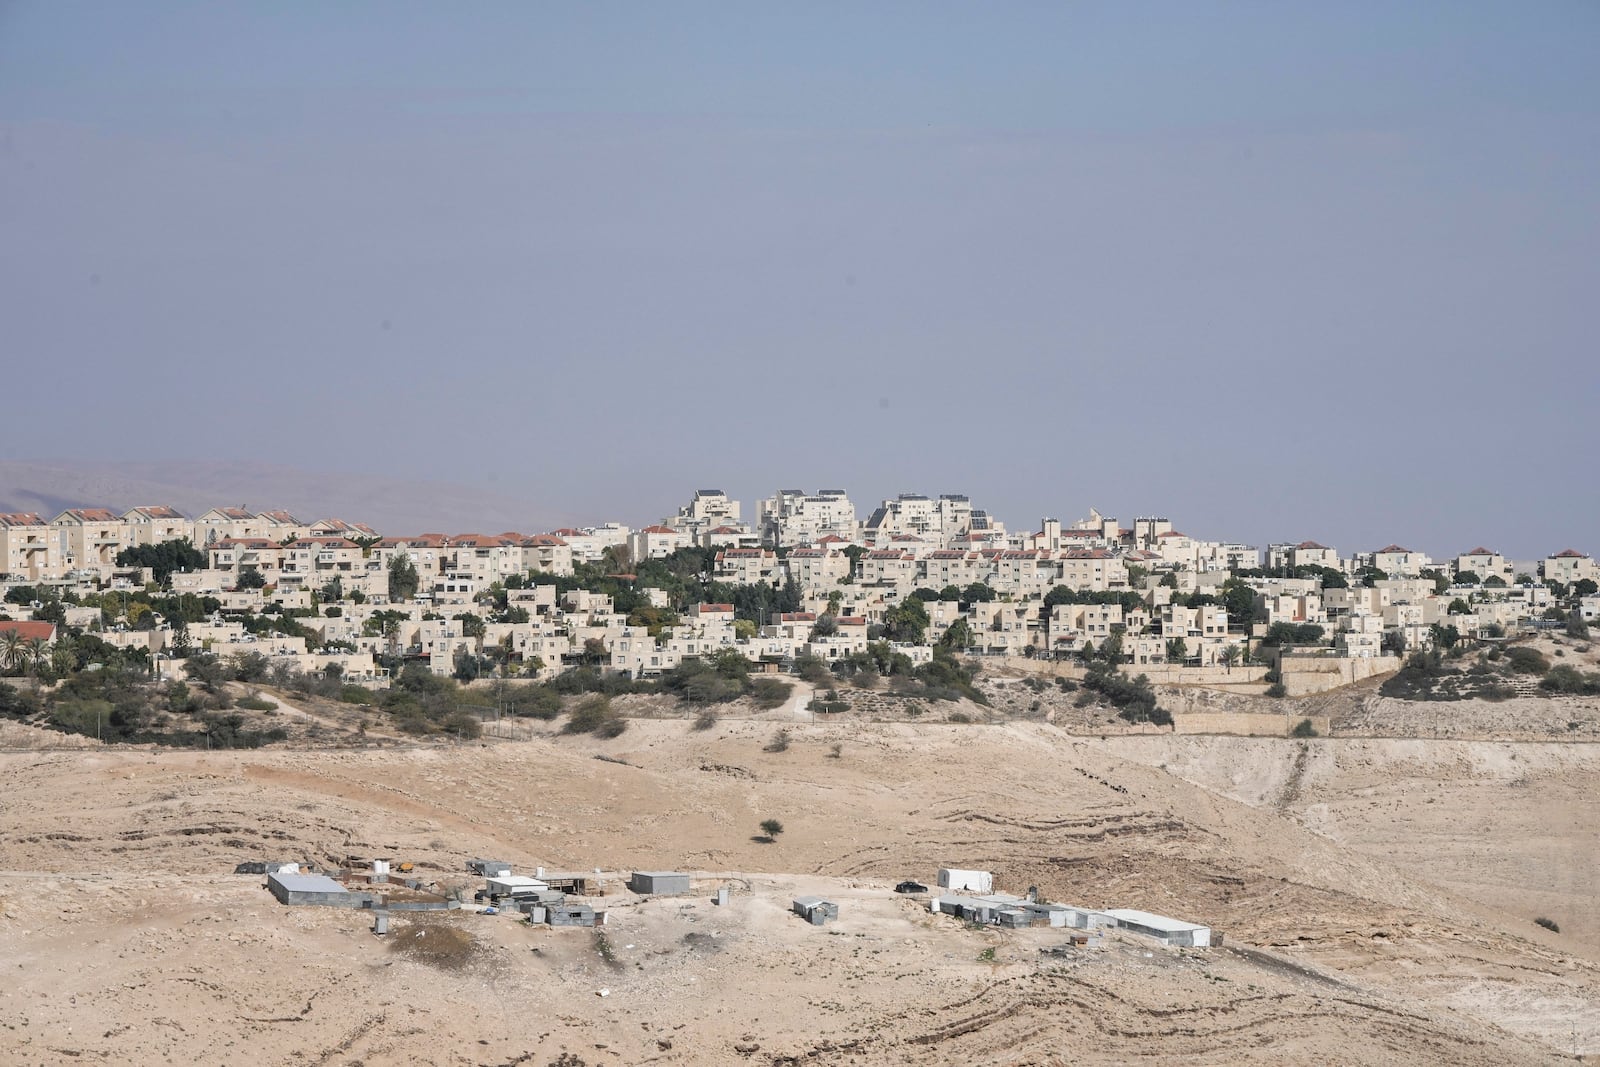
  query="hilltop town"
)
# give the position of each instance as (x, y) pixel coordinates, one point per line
(810, 788)
(807, 582)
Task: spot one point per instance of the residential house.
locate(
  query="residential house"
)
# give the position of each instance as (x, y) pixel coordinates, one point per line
(1484, 563)
(1400, 562)
(1569, 566)
(658, 542)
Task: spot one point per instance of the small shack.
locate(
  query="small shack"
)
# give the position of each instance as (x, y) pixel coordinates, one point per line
(573, 915)
(489, 868)
(1168, 931)
(310, 889)
(815, 910)
(514, 886)
(659, 883)
(962, 881)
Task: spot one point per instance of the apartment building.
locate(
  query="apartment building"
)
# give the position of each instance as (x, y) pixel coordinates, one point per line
(30, 550)
(155, 524)
(90, 538)
(795, 517)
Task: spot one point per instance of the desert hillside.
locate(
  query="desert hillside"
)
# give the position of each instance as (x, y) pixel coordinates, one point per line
(1376, 903)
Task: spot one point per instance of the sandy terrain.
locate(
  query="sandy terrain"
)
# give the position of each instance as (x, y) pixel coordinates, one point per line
(1395, 933)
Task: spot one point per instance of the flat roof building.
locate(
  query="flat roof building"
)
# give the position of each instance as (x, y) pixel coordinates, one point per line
(660, 883)
(1168, 931)
(304, 889)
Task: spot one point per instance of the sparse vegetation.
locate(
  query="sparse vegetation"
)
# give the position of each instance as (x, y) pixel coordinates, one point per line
(1303, 728)
(779, 742)
(1548, 924)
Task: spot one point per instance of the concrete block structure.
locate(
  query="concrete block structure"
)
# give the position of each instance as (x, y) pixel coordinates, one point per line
(659, 883)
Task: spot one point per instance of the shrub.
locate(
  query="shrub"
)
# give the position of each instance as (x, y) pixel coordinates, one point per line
(1548, 924)
(356, 694)
(255, 703)
(705, 720)
(779, 742)
(960, 716)
(1276, 689)
(1303, 728)
(771, 827)
(1525, 660)
(590, 714)
(612, 727)
(770, 692)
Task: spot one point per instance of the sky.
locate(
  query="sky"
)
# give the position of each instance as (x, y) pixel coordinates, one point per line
(1275, 270)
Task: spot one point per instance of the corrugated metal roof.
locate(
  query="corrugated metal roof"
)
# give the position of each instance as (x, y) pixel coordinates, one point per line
(307, 883)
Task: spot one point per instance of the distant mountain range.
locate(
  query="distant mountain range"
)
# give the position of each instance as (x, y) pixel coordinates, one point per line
(391, 506)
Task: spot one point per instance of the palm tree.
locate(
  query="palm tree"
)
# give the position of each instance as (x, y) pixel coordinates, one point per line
(38, 650)
(1230, 656)
(13, 649)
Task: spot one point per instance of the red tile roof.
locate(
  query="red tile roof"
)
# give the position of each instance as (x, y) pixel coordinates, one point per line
(1311, 544)
(1570, 553)
(29, 630)
(1479, 551)
(1393, 548)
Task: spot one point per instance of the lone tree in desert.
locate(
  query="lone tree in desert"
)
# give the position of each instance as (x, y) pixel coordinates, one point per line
(770, 829)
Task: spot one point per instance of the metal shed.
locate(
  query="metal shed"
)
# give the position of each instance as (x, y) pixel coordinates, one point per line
(659, 883)
(1166, 930)
(489, 868)
(512, 885)
(311, 889)
(815, 910)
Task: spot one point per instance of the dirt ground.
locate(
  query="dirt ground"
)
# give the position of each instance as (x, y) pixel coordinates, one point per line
(1376, 900)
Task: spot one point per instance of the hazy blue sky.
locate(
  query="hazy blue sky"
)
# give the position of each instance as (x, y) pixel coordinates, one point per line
(1276, 270)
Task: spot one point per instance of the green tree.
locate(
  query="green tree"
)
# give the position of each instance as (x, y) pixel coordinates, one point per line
(771, 828)
(13, 650)
(906, 622)
(1177, 650)
(164, 558)
(1467, 578)
(1229, 656)
(250, 578)
(978, 593)
(957, 636)
(403, 580)
(471, 625)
